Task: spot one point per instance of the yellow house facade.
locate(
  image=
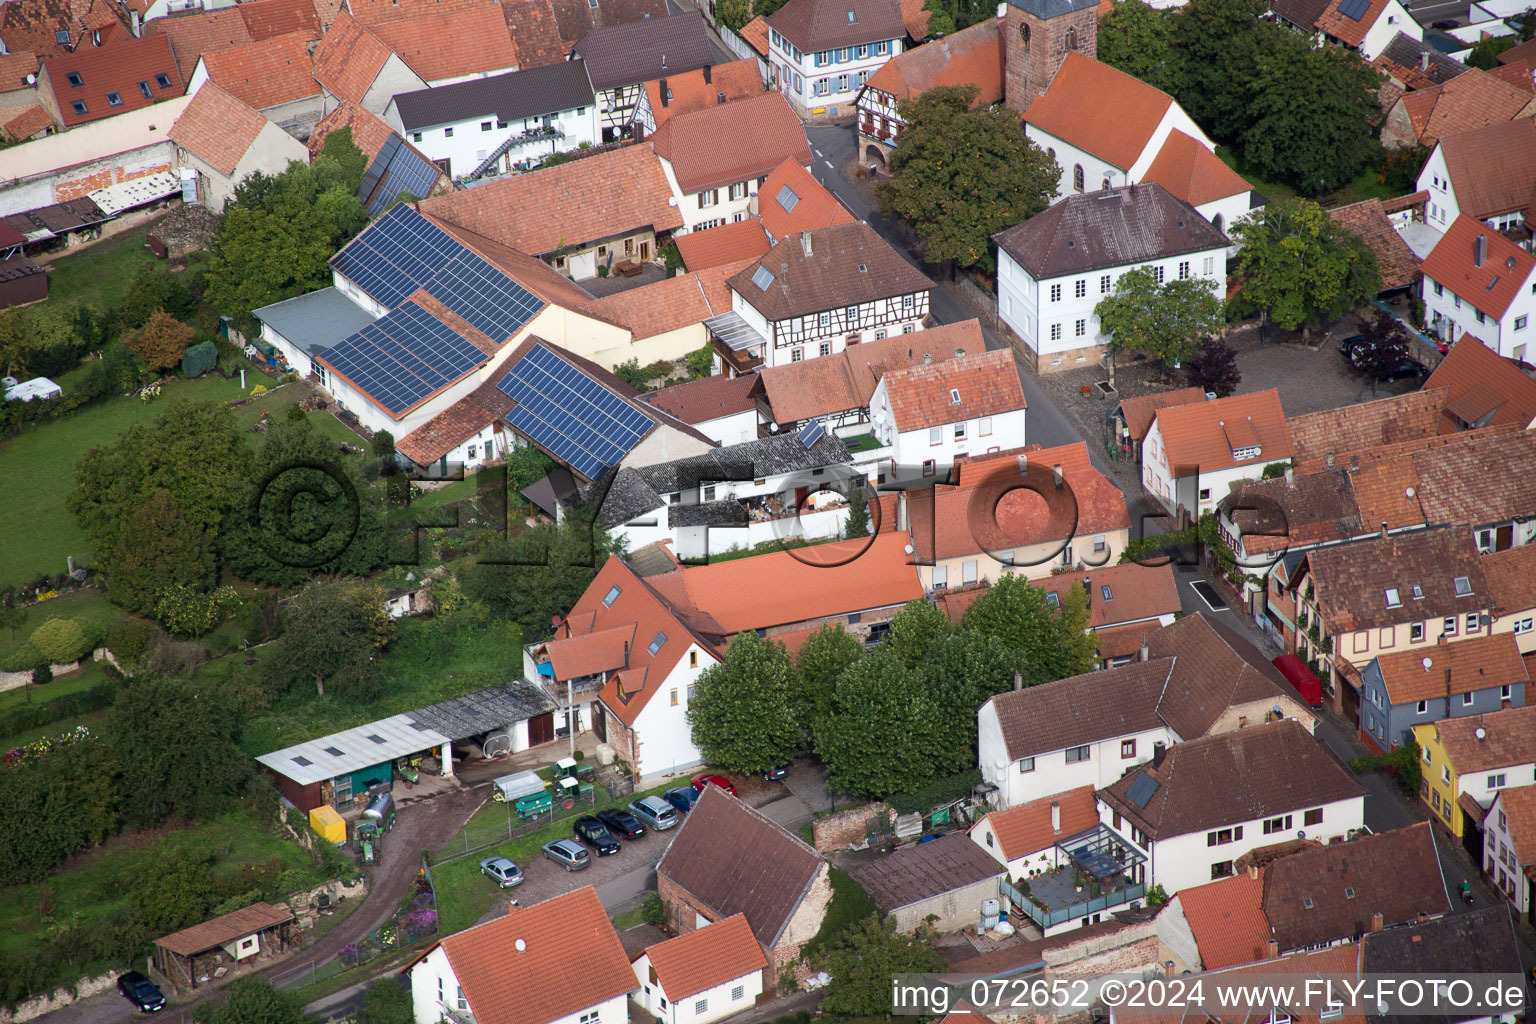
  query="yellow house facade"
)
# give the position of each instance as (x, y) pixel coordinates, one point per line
(1467, 761)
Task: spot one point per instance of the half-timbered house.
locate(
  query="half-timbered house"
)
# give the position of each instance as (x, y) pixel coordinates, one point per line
(621, 59)
(816, 293)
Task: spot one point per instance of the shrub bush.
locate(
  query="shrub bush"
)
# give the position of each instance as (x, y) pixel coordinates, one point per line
(60, 640)
(128, 640)
(69, 705)
(199, 359)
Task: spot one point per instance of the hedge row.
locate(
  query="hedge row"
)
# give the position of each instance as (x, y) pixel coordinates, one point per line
(81, 702)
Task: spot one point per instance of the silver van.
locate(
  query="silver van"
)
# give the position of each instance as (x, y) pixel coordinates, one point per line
(655, 812)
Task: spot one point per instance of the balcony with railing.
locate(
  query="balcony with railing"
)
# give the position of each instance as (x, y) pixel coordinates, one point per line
(538, 668)
(1097, 873)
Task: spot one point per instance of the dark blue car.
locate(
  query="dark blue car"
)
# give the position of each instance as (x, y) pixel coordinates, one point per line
(682, 798)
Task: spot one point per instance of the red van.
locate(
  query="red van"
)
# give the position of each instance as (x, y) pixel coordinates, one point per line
(1302, 678)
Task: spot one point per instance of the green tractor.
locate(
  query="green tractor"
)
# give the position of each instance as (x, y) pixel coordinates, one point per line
(367, 835)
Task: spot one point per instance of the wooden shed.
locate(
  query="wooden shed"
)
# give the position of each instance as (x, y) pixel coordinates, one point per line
(203, 951)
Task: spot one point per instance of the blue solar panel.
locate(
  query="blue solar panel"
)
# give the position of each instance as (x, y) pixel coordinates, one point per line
(406, 171)
(811, 433)
(493, 303)
(396, 255)
(403, 357)
(1354, 9)
(580, 421)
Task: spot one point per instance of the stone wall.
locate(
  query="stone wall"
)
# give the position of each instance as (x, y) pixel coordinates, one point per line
(59, 997)
(1128, 949)
(73, 185)
(12, 680)
(849, 828)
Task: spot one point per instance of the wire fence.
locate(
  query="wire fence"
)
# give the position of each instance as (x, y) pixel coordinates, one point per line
(479, 837)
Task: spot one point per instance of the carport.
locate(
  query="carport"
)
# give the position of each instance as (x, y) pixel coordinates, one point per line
(233, 937)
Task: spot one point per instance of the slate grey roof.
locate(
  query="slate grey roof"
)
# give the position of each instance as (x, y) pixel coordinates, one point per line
(315, 321)
(1301, 13)
(924, 871)
(642, 51)
(484, 710)
(1047, 9)
(650, 560)
(1405, 50)
(1111, 228)
(752, 460)
(712, 513)
(509, 97)
(1478, 942)
(628, 496)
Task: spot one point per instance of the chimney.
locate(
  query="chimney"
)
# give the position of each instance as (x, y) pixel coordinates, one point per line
(663, 62)
(901, 511)
(1159, 751)
(927, 358)
(1145, 654)
(1479, 250)
(1424, 61)
(1328, 458)
(1056, 475)
(1056, 817)
(706, 74)
(1290, 476)
(1441, 640)
(1272, 948)
(805, 243)
(1018, 680)
(666, 94)
(1377, 922)
(626, 654)
(1023, 465)
(1253, 871)
(1383, 531)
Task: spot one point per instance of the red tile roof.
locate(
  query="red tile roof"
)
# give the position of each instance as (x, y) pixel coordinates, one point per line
(825, 24)
(915, 18)
(1137, 412)
(668, 305)
(1511, 575)
(697, 401)
(454, 425)
(728, 243)
(349, 58)
(1462, 666)
(942, 527)
(1350, 31)
(923, 396)
(1136, 592)
(706, 87)
(1205, 434)
(1025, 830)
(1472, 370)
(533, 986)
(14, 69)
(1491, 287)
(32, 25)
(1490, 167)
(1227, 918)
(1193, 173)
(1517, 73)
(1471, 100)
(25, 122)
(267, 73)
(1126, 111)
(536, 29)
(265, 19)
(706, 957)
(972, 56)
(217, 128)
(117, 69)
(1399, 266)
(387, 12)
(719, 146)
(448, 45)
(197, 34)
(755, 32)
(1519, 806)
(814, 207)
(569, 204)
(1508, 738)
(225, 928)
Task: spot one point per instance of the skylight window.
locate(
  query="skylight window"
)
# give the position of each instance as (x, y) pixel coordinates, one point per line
(1108, 594)
(954, 396)
(303, 762)
(1306, 901)
(787, 198)
(62, 38)
(1463, 586)
(655, 645)
(1393, 600)
(163, 81)
(853, 19)
(1493, 282)
(1418, 592)
(375, 737)
(762, 277)
(334, 752)
(1349, 893)
(1053, 599)
(75, 79)
(114, 99)
(144, 91)
(78, 106)
(611, 596)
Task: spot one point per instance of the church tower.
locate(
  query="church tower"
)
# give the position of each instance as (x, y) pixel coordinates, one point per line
(1037, 36)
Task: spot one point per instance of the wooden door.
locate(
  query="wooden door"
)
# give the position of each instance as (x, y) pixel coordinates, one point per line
(541, 728)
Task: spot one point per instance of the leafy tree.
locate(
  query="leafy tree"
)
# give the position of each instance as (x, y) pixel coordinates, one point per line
(386, 1002)
(1400, 168)
(199, 359)
(1214, 368)
(254, 1000)
(1053, 644)
(539, 574)
(1310, 113)
(304, 510)
(332, 633)
(193, 450)
(734, 13)
(1165, 319)
(128, 640)
(155, 289)
(740, 712)
(42, 674)
(1299, 267)
(38, 341)
(158, 548)
(765, 8)
(961, 175)
(1218, 42)
(177, 892)
(161, 342)
(1137, 38)
(823, 657)
(60, 640)
(883, 733)
(919, 626)
(45, 810)
(340, 147)
(864, 964)
(631, 373)
(382, 445)
(701, 362)
(1386, 344)
(964, 670)
(194, 776)
(1485, 52)
(858, 516)
(941, 22)
(185, 611)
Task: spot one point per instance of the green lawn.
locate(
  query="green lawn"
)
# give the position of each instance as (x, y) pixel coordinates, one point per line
(89, 676)
(94, 884)
(88, 606)
(1364, 186)
(100, 275)
(39, 467)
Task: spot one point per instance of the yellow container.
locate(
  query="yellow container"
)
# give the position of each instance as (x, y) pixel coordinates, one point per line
(328, 824)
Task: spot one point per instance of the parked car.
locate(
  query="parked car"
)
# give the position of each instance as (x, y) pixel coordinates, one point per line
(1404, 367)
(568, 853)
(596, 835)
(710, 779)
(775, 774)
(501, 871)
(141, 992)
(683, 798)
(1445, 24)
(621, 822)
(655, 812)
(1347, 345)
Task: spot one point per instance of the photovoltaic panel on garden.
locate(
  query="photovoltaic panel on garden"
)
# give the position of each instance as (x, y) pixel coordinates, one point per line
(578, 420)
(403, 357)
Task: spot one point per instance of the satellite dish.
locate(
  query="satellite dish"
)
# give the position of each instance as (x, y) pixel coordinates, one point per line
(907, 548)
(520, 945)
(1481, 733)
(1428, 664)
(31, 79)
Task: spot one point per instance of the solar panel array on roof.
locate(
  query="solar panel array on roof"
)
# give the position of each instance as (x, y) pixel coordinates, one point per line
(396, 255)
(493, 303)
(1354, 9)
(1141, 790)
(397, 168)
(762, 277)
(403, 357)
(788, 199)
(577, 419)
(811, 433)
